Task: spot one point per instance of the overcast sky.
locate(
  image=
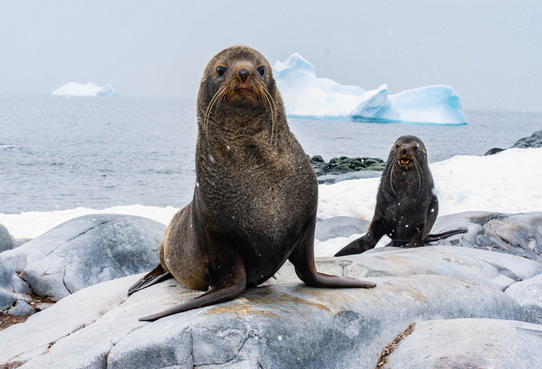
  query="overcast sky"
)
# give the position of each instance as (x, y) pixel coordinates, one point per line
(488, 51)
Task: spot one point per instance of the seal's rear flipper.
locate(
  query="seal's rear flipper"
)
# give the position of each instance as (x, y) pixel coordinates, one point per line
(158, 274)
(234, 285)
(440, 236)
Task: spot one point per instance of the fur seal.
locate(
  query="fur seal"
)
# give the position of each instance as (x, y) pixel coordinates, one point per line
(254, 204)
(406, 203)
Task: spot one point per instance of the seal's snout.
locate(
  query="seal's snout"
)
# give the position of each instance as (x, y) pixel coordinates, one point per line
(243, 73)
(404, 150)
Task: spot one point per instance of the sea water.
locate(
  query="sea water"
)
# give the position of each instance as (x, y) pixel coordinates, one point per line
(62, 153)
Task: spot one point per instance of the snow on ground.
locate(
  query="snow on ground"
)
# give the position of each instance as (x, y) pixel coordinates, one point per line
(33, 223)
(77, 89)
(508, 182)
(307, 96)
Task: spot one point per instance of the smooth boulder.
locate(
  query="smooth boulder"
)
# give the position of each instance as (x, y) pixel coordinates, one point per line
(339, 227)
(6, 240)
(468, 343)
(79, 253)
(529, 295)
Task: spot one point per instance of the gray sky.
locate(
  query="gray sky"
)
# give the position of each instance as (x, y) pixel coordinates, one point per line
(488, 51)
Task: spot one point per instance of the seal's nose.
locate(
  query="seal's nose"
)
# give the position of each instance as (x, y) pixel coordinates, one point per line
(404, 150)
(244, 73)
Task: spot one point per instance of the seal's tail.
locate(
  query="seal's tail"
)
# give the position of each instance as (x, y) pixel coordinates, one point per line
(443, 235)
(158, 274)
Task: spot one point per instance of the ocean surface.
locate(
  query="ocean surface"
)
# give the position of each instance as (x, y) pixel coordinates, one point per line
(60, 153)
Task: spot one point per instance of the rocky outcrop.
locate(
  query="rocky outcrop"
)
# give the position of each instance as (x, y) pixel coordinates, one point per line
(77, 254)
(345, 164)
(515, 234)
(338, 328)
(281, 324)
(535, 140)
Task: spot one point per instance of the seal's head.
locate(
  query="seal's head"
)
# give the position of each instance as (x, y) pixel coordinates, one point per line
(237, 82)
(408, 152)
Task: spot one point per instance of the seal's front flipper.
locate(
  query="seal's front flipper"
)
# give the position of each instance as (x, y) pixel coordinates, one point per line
(440, 236)
(366, 242)
(355, 247)
(158, 274)
(303, 259)
(227, 291)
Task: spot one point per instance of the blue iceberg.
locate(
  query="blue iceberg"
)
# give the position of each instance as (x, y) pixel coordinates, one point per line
(90, 89)
(308, 97)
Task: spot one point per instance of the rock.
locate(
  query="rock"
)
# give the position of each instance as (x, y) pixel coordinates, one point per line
(340, 227)
(493, 151)
(483, 268)
(535, 140)
(20, 241)
(529, 295)
(469, 343)
(7, 299)
(337, 166)
(516, 234)
(82, 252)
(6, 241)
(22, 308)
(278, 326)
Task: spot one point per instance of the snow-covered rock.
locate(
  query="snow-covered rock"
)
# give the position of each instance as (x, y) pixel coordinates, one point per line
(307, 96)
(90, 89)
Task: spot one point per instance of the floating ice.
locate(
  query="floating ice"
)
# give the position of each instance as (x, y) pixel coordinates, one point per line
(309, 97)
(77, 89)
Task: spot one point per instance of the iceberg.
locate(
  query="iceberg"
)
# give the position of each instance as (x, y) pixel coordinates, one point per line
(308, 97)
(77, 89)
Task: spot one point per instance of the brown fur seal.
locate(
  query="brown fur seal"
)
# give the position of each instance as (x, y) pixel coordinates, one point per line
(406, 204)
(255, 199)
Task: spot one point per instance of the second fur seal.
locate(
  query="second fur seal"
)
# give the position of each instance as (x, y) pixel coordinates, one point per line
(406, 203)
(256, 194)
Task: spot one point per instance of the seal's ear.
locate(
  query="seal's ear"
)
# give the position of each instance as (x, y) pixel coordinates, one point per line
(202, 80)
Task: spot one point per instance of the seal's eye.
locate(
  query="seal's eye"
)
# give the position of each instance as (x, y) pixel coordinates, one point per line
(262, 70)
(416, 148)
(221, 70)
(396, 146)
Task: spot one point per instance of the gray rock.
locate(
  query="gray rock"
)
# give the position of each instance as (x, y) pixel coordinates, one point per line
(529, 295)
(6, 241)
(493, 151)
(516, 234)
(279, 326)
(20, 241)
(7, 299)
(82, 252)
(22, 308)
(480, 267)
(535, 140)
(469, 343)
(340, 227)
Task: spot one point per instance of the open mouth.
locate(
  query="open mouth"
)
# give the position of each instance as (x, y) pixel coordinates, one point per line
(404, 161)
